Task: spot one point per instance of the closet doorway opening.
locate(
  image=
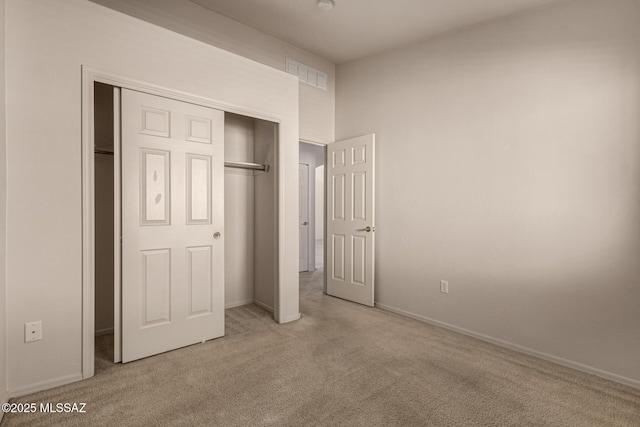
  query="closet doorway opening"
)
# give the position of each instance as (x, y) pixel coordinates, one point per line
(105, 219)
(250, 229)
(312, 207)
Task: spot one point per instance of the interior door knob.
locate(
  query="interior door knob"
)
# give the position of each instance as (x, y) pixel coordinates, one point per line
(217, 235)
(305, 223)
(368, 229)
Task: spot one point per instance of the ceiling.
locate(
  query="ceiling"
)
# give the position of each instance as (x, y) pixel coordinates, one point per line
(358, 28)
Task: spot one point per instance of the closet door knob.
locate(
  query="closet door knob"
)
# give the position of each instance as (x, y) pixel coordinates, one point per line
(217, 235)
(305, 223)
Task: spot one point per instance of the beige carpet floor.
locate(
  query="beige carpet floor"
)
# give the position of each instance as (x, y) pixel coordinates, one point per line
(340, 365)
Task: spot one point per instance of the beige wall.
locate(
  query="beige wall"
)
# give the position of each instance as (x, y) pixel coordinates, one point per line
(3, 209)
(508, 162)
(317, 111)
(46, 45)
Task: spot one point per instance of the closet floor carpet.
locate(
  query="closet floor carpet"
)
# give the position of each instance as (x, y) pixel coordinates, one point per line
(342, 364)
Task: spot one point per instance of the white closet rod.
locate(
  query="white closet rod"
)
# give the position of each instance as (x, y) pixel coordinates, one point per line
(243, 165)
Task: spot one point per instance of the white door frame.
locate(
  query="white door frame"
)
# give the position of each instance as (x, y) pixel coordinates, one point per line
(89, 77)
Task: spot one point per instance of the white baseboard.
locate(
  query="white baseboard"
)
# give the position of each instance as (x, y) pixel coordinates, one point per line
(104, 331)
(290, 319)
(551, 358)
(238, 303)
(45, 385)
(263, 305)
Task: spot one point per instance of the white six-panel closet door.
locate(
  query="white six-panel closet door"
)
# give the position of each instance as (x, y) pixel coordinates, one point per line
(172, 224)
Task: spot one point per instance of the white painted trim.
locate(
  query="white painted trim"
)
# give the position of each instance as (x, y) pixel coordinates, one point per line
(117, 231)
(89, 77)
(521, 349)
(45, 385)
(280, 226)
(238, 304)
(88, 227)
(105, 331)
(324, 229)
(263, 305)
(290, 319)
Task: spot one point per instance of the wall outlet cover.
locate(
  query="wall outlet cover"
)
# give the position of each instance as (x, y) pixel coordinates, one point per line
(32, 331)
(444, 286)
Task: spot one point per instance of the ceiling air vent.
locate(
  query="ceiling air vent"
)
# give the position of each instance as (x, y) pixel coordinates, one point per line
(307, 75)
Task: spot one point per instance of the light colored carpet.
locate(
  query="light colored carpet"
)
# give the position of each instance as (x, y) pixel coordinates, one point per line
(340, 365)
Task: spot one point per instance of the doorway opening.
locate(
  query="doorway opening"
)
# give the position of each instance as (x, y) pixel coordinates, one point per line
(250, 233)
(312, 207)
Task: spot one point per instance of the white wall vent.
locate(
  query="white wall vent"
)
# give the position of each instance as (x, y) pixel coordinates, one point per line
(307, 75)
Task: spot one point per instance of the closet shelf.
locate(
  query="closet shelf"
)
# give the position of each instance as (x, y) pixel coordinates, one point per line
(243, 165)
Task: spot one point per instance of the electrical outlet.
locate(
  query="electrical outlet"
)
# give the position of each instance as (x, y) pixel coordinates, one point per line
(444, 286)
(33, 331)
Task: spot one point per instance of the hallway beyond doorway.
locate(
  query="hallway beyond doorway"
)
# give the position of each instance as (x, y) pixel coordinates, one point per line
(319, 254)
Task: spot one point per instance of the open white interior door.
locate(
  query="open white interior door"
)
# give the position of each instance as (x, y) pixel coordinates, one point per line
(172, 224)
(350, 219)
